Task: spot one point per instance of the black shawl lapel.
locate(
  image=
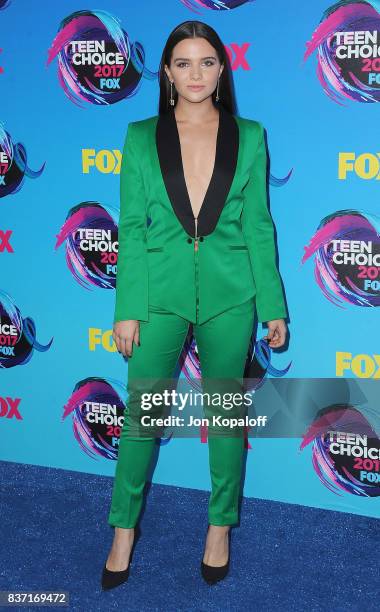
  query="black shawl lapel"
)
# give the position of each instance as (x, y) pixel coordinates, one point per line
(169, 155)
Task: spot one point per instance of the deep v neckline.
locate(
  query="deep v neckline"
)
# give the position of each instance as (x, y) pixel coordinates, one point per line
(182, 169)
(167, 152)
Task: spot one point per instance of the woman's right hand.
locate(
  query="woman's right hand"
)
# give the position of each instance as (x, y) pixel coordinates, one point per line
(124, 334)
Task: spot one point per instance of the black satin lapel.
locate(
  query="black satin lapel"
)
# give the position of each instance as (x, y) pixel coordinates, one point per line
(225, 167)
(226, 156)
(169, 155)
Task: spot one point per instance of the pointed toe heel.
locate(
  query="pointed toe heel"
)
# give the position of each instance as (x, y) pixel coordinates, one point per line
(111, 579)
(213, 574)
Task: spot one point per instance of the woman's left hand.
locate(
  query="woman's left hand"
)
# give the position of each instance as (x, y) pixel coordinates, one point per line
(277, 333)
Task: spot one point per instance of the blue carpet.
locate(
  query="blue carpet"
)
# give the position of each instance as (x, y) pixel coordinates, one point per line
(55, 536)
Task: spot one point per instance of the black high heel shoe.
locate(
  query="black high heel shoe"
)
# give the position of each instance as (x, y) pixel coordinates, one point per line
(212, 573)
(111, 579)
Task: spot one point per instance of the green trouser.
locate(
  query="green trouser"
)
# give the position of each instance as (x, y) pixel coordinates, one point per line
(222, 344)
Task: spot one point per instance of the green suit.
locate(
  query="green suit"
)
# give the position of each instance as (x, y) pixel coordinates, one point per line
(174, 270)
(236, 257)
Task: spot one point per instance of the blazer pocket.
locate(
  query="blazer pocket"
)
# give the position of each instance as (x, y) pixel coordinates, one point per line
(152, 249)
(239, 247)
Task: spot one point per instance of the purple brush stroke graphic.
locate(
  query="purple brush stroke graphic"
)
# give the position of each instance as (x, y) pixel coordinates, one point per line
(92, 437)
(83, 266)
(85, 25)
(214, 5)
(16, 168)
(337, 226)
(333, 474)
(21, 351)
(341, 17)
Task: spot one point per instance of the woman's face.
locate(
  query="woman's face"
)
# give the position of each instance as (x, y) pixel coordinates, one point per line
(194, 68)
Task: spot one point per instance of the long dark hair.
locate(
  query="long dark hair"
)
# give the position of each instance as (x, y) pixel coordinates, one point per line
(196, 29)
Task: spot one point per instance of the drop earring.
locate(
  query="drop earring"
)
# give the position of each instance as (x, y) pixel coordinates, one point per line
(171, 94)
(217, 92)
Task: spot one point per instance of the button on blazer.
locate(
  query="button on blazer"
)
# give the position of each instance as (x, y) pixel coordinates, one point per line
(158, 263)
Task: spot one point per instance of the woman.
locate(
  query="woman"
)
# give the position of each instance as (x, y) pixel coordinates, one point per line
(207, 258)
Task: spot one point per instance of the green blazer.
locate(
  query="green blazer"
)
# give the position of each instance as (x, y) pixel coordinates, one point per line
(166, 257)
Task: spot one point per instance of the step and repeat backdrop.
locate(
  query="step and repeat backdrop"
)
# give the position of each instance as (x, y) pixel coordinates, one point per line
(71, 80)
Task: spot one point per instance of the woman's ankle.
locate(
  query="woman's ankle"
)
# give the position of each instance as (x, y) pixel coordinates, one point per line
(220, 528)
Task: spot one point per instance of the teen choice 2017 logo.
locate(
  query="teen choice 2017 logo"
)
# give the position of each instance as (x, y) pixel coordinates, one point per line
(13, 165)
(214, 5)
(18, 335)
(347, 43)
(96, 61)
(90, 233)
(96, 408)
(345, 451)
(346, 249)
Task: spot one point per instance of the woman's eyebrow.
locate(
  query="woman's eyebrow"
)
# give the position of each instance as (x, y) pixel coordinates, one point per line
(187, 59)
